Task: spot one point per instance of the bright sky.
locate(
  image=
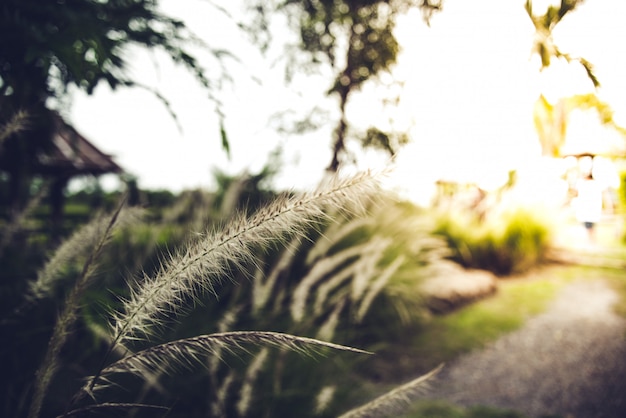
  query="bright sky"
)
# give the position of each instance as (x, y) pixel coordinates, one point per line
(469, 89)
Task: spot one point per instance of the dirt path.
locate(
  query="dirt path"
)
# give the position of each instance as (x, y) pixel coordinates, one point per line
(569, 361)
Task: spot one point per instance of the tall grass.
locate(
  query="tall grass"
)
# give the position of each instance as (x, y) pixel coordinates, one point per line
(324, 289)
(296, 273)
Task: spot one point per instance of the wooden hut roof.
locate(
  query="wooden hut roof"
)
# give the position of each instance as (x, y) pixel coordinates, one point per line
(71, 154)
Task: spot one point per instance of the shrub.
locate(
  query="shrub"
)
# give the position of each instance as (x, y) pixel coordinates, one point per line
(503, 241)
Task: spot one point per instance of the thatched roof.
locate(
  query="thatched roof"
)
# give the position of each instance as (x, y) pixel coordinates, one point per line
(71, 154)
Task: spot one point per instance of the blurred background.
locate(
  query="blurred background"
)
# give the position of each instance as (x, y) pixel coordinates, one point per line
(499, 126)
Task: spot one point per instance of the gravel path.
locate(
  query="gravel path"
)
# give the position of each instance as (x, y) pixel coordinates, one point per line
(569, 361)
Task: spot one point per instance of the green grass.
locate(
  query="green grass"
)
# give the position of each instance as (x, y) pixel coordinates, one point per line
(445, 337)
(440, 339)
(436, 409)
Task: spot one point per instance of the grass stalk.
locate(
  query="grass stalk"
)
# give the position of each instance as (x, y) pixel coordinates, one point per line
(394, 401)
(109, 406)
(66, 320)
(17, 123)
(205, 263)
(189, 352)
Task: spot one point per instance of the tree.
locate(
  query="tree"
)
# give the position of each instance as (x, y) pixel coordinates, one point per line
(544, 44)
(46, 46)
(355, 38)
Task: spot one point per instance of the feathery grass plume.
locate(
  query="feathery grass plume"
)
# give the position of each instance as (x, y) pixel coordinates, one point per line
(232, 195)
(190, 352)
(245, 397)
(319, 271)
(356, 263)
(109, 406)
(333, 285)
(193, 206)
(367, 266)
(17, 123)
(262, 288)
(394, 402)
(102, 332)
(207, 262)
(366, 278)
(224, 325)
(326, 331)
(324, 398)
(77, 245)
(334, 234)
(377, 286)
(68, 317)
(219, 403)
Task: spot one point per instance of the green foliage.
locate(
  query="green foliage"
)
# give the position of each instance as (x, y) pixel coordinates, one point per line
(440, 339)
(353, 39)
(504, 242)
(337, 269)
(51, 45)
(390, 142)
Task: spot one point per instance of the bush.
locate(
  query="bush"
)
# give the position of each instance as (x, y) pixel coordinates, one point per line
(503, 241)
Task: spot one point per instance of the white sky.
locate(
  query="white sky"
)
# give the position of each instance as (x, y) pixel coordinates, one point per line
(469, 89)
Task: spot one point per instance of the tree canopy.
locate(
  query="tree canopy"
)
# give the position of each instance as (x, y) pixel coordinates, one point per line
(356, 39)
(46, 46)
(544, 45)
(49, 45)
